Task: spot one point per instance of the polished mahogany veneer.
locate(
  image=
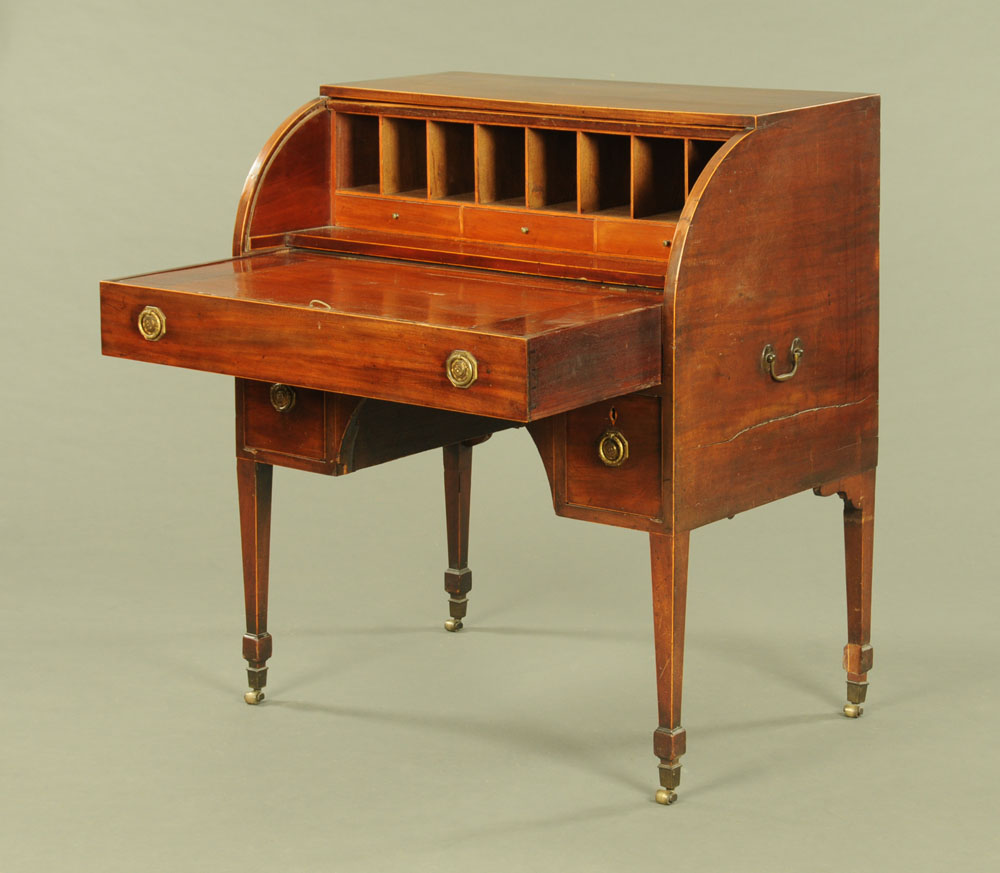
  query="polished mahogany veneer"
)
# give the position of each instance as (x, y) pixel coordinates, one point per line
(367, 328)
(674, 288)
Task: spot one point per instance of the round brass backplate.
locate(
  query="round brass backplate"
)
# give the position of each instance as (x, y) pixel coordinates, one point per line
(282, 397)
(612, 448)
(152, 323)
(461, 368)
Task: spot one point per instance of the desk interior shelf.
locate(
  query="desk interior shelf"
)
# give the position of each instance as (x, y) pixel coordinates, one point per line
(500, 165)
(358, 148)
(610, 193)
(606, 173)
(404, 157)
(451, 167)
(551, 170)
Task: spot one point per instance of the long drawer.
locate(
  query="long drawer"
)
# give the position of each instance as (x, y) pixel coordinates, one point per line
(503, 345)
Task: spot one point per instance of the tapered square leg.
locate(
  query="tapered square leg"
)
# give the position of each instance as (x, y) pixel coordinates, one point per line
(457, 492)
(858, 494)
(254, 483)
(669, 565)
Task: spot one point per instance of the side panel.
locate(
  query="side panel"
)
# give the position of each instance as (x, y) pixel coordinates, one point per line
(780, 242)
(288, 187)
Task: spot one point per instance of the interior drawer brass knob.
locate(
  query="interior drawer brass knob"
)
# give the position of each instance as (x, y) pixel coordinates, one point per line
(461, 368)
(152, 323)
(612, 448)
(282, 397)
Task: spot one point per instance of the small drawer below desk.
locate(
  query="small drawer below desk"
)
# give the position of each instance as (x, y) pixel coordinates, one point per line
(279, 418)
(608, 462)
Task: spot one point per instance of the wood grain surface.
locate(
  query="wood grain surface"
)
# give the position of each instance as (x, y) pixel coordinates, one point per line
(778, 241)
(384, 330)
(613, 254)
(641, 101)
(289, 184)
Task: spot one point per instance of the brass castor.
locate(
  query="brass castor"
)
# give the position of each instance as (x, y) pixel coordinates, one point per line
(453, 624)
(253, 697)
(666, 796)
(853, 710)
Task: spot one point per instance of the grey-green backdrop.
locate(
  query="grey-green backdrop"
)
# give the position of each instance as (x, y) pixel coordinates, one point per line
(524, 742)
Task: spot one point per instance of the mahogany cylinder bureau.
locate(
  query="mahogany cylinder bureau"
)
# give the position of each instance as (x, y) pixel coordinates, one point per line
(674, 288)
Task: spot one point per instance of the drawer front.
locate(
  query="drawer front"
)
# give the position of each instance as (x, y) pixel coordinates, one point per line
(472, 341)
(635, 238)
(529, 229)
(634, 487)
(270, 424)
(314, 348)
(398, 216)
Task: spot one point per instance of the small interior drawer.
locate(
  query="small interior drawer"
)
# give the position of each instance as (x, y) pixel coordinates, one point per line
(528, 228)
(398, 216)
(640, 239)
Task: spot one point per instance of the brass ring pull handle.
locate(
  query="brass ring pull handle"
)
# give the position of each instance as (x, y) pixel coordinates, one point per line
(152, 323)
(282, 397)
(461, 368)
(612, 448)
(768, 357)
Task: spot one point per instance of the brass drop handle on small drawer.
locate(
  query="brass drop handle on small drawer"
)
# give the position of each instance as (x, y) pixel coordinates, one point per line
(152, 323)
(282, 397)
(768, 357)
(612, 448)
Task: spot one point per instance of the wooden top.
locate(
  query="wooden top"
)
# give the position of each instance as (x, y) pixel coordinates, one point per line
(639, 101)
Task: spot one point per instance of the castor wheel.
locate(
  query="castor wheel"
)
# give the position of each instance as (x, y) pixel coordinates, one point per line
(666, 796)
(253, 697)
(853, 710)
(453, 624)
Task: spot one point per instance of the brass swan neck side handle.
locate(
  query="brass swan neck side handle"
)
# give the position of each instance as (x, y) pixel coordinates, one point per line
(768, 357)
